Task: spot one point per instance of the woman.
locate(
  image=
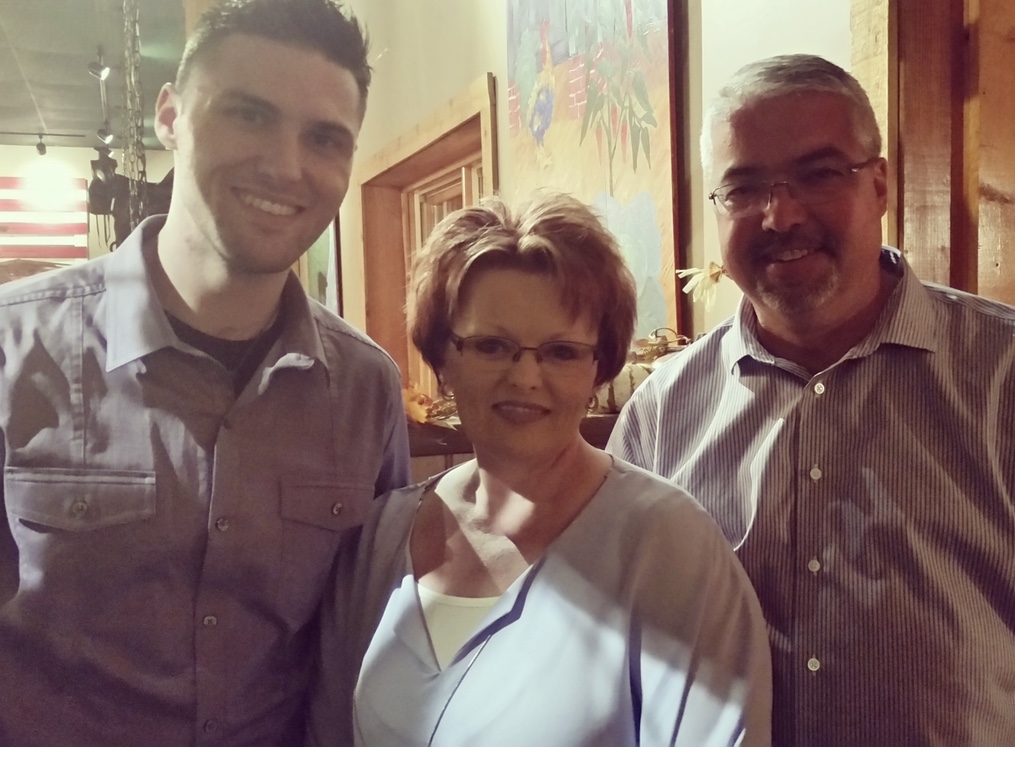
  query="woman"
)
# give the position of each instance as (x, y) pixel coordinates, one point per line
(543, 593)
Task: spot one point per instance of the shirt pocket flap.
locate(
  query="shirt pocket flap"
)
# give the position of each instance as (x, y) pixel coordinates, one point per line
(326, 504)
(79, 500)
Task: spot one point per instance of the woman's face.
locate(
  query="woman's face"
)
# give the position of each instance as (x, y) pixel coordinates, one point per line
(524, 409)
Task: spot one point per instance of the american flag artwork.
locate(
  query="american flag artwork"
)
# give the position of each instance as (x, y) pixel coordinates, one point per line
(43, 217)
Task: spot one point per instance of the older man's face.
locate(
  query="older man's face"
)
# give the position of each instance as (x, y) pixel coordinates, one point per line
(798, 254)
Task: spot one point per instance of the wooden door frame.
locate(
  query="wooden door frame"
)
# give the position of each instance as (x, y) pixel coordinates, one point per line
(463, 126)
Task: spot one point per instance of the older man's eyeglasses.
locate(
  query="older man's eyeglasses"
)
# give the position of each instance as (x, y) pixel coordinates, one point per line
(492, 351)
(814, 183)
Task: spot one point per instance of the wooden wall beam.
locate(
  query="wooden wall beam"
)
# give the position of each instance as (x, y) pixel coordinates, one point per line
(994, 29)
(384, 271)
(933, 222)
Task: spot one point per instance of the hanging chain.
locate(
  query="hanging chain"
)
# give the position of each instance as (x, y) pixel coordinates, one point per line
(133, 118)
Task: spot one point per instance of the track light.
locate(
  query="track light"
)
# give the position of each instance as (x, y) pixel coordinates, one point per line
(104, 134)
(41, 147)
(97, 68)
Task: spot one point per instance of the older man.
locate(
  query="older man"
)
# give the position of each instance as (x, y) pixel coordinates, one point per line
(850, 428)
(186, 438)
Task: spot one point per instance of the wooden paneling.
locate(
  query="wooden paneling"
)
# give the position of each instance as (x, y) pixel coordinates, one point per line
(955, 159)
(384, 270)
(996, 148)
(930, 163)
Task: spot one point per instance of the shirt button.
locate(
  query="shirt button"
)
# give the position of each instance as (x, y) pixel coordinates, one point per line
(819, 388)
(222, 524)
(210, 726)
(336, 508)
(814, 665)
(815, 473)
(79, 508)
(814, 565)
(210, 621)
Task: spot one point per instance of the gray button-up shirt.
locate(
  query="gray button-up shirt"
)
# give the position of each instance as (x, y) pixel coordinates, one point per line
(873, 507)
(166, 543)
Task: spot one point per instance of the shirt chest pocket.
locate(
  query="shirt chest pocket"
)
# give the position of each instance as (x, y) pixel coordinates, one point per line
(332, 505)
(84, 538)
(316, 518)
(77, 500)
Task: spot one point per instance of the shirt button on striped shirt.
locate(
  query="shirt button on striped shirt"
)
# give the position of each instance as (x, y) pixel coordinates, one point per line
(819, 388)
(814, 565)
(815, 473)
(814, 665)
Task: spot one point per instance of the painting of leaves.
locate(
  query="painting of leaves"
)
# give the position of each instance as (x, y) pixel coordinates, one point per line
(589, 113)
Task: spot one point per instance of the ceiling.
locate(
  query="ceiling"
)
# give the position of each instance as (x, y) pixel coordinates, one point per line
(45, 49)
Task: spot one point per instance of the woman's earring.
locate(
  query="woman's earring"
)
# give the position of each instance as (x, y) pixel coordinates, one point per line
(445, 391)
(592, 404)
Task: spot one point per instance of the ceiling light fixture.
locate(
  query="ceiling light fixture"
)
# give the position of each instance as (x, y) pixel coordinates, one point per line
(97, 68)
(41, 147)
(104, 134)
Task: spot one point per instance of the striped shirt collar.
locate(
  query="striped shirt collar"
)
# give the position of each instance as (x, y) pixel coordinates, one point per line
(907, 320)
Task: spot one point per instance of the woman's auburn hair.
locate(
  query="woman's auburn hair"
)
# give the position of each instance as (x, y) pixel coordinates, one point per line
(552, 233)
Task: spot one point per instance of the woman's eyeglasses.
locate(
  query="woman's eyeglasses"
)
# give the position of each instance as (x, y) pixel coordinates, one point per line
(493, 351)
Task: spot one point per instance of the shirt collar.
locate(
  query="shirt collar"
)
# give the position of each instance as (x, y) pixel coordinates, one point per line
(136, 324)
(300, 335)
(908, 317)
(906, 320)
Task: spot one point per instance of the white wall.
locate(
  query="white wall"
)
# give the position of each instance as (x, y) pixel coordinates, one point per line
(734, 33)
(423, 54)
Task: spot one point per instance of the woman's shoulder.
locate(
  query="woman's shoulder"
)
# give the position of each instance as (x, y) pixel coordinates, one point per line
(394, 506)
(392, 515)
(646, 491)
(630, 513)
(649, 544)
(401, 499)
(647, 514)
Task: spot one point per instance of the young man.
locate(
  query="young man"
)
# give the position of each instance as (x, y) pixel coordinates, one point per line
(187, 439)
(850, 429)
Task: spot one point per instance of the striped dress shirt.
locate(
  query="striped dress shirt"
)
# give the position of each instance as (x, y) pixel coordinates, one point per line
(872, 505)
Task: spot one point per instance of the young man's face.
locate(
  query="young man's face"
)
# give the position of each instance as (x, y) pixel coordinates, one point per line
(264, 134)
(799, 257)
